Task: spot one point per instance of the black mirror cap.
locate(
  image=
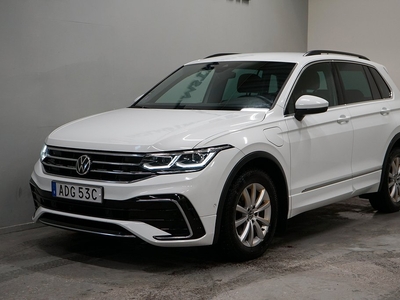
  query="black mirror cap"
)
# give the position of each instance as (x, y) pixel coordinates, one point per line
(301, 113)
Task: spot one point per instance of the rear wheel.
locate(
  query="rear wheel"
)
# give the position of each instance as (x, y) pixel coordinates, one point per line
(388, 198)
(249, 217)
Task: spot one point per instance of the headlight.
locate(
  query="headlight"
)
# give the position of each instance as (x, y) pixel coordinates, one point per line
(43, 153)
(182, 161)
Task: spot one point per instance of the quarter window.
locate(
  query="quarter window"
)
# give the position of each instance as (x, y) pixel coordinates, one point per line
(382, 86)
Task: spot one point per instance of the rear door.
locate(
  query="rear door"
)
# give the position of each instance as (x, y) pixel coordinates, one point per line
(372, 111)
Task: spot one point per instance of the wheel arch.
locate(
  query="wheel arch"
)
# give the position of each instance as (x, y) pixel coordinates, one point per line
(268, 163)
(394, 143)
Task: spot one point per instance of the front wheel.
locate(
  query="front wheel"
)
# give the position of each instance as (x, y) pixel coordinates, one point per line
(388, 197)
(249, 217)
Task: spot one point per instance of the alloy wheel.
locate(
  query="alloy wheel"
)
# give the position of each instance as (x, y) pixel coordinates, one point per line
(394, 179)
(253, 215)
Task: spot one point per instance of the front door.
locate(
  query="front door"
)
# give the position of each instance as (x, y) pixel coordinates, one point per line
(320, 144)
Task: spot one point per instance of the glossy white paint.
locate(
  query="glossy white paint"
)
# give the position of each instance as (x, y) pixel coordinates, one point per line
(370, 121)
(311, 102)
(150, 130)
(321, 150)
(326, 157)
(141, 230)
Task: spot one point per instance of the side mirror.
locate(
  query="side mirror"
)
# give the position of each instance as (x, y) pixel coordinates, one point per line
(307, 105)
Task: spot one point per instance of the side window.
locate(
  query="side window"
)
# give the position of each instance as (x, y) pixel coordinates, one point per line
(316, 80)
(382, 86)
(355, 83)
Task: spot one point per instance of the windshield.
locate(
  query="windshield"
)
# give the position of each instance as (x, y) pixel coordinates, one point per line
(219, 85)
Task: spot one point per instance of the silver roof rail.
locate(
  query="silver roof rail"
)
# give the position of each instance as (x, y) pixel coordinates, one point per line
(219, 54)
(319, 52)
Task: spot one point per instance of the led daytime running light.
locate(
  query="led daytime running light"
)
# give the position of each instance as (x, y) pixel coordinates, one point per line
(184, 161)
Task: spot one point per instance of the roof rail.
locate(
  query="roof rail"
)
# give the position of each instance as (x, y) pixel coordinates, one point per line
(318, 52)
(219, 54)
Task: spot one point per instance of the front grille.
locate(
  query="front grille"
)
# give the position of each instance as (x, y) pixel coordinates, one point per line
(171, 213)
(105, 166)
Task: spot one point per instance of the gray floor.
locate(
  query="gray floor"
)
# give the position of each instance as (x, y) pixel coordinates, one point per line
(343, 251)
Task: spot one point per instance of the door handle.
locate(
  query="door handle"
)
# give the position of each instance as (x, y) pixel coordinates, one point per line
(343, 119)
(385, 111)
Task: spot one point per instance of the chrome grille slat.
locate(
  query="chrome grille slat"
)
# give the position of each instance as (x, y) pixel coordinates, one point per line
(115, 164)
(105, 166)
(97, 152)
(58, 166)
(63, 158)
(121, 173)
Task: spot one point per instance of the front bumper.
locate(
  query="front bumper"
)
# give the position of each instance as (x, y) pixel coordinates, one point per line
(173, 215)
(167, 210)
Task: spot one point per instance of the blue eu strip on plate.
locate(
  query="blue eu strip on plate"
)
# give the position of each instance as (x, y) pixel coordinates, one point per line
(53, 188)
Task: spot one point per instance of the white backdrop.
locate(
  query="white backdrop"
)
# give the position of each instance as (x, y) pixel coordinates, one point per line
(65, 59)
(367, 27)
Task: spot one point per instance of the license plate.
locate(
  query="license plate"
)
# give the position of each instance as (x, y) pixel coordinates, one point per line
(77, 192)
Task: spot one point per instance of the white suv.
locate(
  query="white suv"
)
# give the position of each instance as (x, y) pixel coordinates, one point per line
(225, 150)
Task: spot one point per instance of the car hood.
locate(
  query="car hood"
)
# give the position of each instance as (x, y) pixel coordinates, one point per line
(150, 130)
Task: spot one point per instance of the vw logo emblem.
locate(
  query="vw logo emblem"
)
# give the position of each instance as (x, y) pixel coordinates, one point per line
(83, 165)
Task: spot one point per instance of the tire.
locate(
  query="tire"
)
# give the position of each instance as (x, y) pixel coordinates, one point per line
(249, 217)
(387, 199)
